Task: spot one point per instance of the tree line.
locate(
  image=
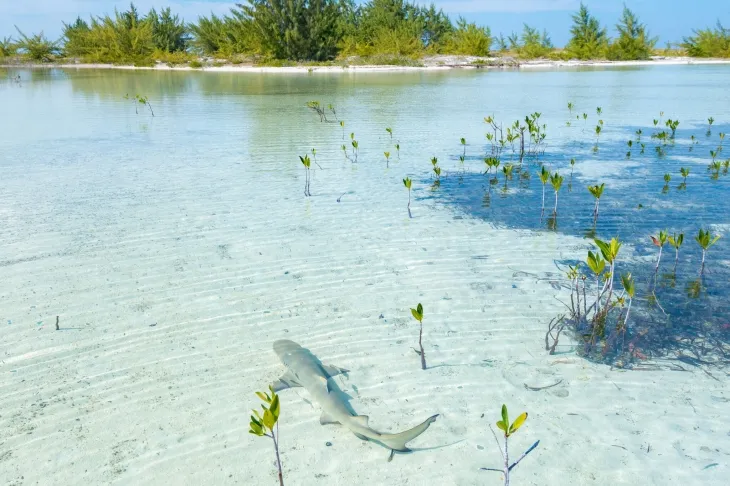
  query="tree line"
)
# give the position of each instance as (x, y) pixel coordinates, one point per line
(325, 30)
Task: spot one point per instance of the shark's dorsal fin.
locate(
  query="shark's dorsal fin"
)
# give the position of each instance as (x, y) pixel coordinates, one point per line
(334, 370)
(325, 419)
(361, 420)
(288, 380)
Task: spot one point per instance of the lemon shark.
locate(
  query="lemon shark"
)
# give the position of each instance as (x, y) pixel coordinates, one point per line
(306, 370)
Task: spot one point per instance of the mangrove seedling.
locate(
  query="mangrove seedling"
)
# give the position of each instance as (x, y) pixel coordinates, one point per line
(710, 121)
(140, 100)
(597, 265)
(556, 180)
(638, 135)
(643, 146)
(667, 178)
(658, 241)
(676, 241)
(317, 108)
(342, 125)
(599, 111)
(630, 144)
(463, 144)
(437, 171)
(355, 146)
(585, 117)
(596, 191)
(598, 134)
(570, 108)
(390, 132)
(684, 173)
(630, 289)
(672, 125)
(507, 171)
(572, 166)
(544, 178)
(397, 150)
(407, 183)
(268, 424)
(418, 315)
(508, 430)
(705, 241)
(306, 163)
(314, 156)
(387, 158)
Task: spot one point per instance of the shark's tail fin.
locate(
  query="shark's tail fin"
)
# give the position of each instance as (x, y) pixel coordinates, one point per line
(397, 442)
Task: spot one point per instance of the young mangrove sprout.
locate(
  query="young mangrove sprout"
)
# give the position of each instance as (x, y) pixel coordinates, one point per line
(598, 133)
(314, 156)
(638, 135)
(667, 178)
(418, 315)
(596, 191)
(355, 146)
(570, 108)
(705, 241)
(140, 100)
(684, 173)
(544, 178)
(306, 163)
(508, 430)
(710, 121)
(317, 108)
(463, 144)
(437, 171)
(630, 290)
(672, 125)
(397, 150)
(572, 166)
(387, 158)
(507, 171)
(599, 111)
(556, 180)
(585, 117)
(407, 183)
(630, 144)
(268, 425)
(676, 241)
(342, 125)
(658, 241)
(390, 132)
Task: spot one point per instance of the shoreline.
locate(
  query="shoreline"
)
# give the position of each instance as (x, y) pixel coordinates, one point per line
(437, 63)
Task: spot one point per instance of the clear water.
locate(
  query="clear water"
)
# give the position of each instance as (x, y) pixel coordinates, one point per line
(176, 248)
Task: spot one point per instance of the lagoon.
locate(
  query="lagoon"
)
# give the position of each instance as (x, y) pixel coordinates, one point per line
(176, 249)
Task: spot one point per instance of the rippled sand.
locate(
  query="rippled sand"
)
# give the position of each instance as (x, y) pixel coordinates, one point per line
(174, 262)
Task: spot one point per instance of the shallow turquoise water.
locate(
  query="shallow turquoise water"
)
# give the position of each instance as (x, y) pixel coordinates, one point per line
(179, 246)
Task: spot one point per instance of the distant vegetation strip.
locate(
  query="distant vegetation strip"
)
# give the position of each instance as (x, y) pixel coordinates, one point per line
(384, 31)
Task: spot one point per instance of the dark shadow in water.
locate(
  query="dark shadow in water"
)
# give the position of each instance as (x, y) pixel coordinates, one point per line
(683, 316)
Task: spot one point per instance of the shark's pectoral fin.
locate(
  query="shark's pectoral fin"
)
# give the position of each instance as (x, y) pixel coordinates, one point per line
(361, 420)
(325, 419)
(288, 380)
(360, 436)
(334, 370)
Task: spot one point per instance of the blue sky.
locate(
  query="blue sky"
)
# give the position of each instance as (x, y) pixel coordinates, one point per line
(668, 19)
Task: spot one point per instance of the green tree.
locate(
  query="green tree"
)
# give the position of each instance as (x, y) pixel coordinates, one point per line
(634, 41)
(709, 42)
(470, 39)
(8, 47)
(296, 29)
(589, 40)
(533, 44)
(37, 47)
(169, 33)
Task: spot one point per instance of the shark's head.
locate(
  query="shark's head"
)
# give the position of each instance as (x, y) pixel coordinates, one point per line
(284, 347)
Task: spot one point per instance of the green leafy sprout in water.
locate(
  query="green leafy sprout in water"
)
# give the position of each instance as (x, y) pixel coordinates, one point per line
(417, 314)
(705, 241)
(556, 180)
(407, 182)
(596, 191)
(684, 173)
(676, 241)
(140, 100)
(268, 424)
(509, 430)
(387, 158)
(390, 132)
(544, 178)
(306, 162)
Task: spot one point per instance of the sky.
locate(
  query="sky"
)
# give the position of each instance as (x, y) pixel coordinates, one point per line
(670, 20)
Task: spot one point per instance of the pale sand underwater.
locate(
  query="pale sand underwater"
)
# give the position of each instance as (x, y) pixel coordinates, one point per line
(174, 269)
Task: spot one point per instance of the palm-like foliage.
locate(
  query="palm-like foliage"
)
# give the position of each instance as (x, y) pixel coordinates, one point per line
(588, 39)
(709, 42)
(37, 47)
(634, 41)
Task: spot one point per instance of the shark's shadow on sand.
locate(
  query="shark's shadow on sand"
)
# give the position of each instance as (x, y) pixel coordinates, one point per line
(306, 370)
